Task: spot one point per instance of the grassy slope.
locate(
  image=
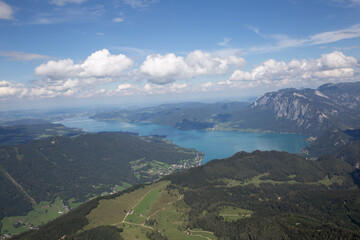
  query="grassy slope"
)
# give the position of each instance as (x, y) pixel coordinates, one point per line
(285, 197)
(44, 212)
(152, 208)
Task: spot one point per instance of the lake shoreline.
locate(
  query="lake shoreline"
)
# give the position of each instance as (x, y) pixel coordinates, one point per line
(215, 144)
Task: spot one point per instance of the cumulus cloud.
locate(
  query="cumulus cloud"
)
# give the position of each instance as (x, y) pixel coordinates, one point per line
(204, 63)
(161, 89)
(64, 2)
(65, 78)
(101, 64)
(163, 69)
(127, 89)
(8, 89)
(6, 11)
(333, 67)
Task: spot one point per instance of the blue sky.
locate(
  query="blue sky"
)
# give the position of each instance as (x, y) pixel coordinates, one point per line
(61, 52)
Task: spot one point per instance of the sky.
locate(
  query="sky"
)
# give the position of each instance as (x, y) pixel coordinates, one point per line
(61, 53)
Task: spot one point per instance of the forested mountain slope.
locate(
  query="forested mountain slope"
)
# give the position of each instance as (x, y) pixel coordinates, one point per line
(27, 130)
(85, 166)
(259, 195)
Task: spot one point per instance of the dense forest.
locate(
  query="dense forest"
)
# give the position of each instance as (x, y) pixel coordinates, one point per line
(24, 131)
(81, 167)
(291, 198)
(259, 195)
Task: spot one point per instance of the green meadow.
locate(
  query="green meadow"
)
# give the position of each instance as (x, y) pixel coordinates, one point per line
(42, 213)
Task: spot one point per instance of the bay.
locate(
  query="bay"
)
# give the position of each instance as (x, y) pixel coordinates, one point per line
(215, 144)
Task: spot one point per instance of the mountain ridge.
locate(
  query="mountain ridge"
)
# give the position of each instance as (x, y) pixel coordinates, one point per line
(78, 168)
(258, 195)
(305, 111)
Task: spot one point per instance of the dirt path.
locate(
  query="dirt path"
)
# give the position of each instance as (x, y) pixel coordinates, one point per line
(7, 175)
(193, 233)
(164, 207)
(201, 237)
(131, 212)
(136, 224)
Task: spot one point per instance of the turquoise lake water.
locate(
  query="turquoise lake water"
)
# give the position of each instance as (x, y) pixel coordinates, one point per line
(215, 145)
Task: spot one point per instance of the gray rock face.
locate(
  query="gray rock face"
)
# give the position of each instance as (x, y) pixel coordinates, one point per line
(331, 105)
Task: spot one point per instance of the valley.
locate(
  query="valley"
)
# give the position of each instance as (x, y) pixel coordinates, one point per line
(270, 194)
(137, 184)
(181, 119)
(74, 170)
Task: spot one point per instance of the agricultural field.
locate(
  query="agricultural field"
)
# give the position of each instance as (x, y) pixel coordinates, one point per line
(328, 181)
(233, 213)
(153, 209)
(257, 180)
(122, 186)
(42, 213)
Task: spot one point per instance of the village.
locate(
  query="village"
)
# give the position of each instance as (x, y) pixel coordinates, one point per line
(155, 168)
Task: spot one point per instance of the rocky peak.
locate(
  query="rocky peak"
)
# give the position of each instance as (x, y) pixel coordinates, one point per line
(312, 108)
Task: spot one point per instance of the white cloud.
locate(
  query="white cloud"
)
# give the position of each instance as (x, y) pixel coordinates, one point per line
(64, 78)
(204, 63)
(42, 93)
(162, 89)
(163, 69)
(225, 42)
(127, 89)
(283, 41)
(334, 36)
(21, 56)
(254, 29)
(6, 11)
(8, 89)
(54, 70)
(139, 4)
(100, 34)
(118, 19)
(348, 3)
(206, 86)
(124, 86)
(334, 67)
(101, 65)
(64, 2)
(337, 60)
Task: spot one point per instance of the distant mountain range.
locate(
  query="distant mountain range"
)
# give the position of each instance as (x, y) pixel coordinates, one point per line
(306, 111)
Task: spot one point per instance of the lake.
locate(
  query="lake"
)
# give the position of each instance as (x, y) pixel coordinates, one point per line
(215, 144)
